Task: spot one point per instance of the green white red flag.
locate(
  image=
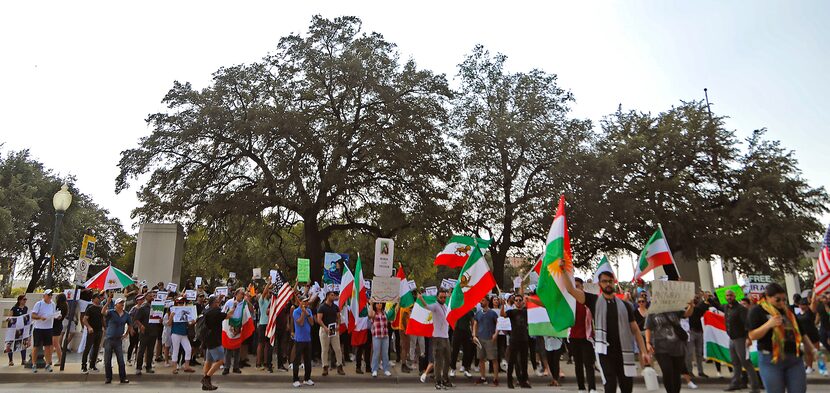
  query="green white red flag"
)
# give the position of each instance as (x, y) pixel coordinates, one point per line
(716, 340)
(655, 253)
(538, 321)
(420, 320)
(604, 266)
(475, 281)
(458, 250)
(557, 266)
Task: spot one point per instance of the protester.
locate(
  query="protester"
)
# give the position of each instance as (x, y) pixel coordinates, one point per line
(233, 356)
(807, 320)
(380, 339)
(148, 335)
(17, 310)
(580, 346)
(214, 353)
(303, 320)
(328, 317)
(43, 314)
(134, 335)
(519, 341)
(402, 322)
(462, 339)
(116, 320)
(666, 340)
(615, 331)
(178, 338)
(778, 336)
(264, 351)
(57, 324)
(736, 328)
(93, 321)
(440, 339)
(486, 339)
(821, 306)
(694, 347)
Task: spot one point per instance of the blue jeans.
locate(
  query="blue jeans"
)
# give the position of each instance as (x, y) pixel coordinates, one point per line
(787, 373)
(380, 346)
(113, 344)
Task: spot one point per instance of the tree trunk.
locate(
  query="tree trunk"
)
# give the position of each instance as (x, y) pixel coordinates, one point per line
(36, 273)
(313, 244)
(500, 254)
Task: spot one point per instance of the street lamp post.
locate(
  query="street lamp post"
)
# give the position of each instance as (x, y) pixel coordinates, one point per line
(60, 202)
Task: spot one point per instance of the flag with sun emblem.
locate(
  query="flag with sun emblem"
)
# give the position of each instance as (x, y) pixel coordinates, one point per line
(557, 266)
(109, 278)
(475, 281)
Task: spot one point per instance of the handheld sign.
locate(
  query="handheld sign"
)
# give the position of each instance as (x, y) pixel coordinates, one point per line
(670, 295)
(386, 289)
(431, 291)
(503, 324)
(273, 275)
(303, 270)
(171, 287)
(231, 275)
(198, 282)
(156, 311)
(384, 255)
(190, 294)
(161, 296)
(721, 292)
(257, 274)
(221, 291)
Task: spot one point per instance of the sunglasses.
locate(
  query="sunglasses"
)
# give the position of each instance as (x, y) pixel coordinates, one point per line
(641, 301)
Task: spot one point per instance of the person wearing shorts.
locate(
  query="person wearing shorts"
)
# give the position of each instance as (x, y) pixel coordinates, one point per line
(43, 314)
(486, 339)
(214, 353)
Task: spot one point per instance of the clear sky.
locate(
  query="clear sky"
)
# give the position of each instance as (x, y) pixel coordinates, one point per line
(78, 79)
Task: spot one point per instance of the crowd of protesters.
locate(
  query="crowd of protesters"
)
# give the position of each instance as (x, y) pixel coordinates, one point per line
(613, 337)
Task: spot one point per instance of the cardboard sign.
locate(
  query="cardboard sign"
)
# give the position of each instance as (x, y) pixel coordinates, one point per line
(190, 294)
(257, 274)
(303, 270)
(721, 292)
(198, 282)
(171, 287)
(384, 255)
(161, 296)
(431, 291)
(386, 289)
(156, 311)
(183, 313)
(503, 324)
(591, 287)
(333, 264)
(670, 295)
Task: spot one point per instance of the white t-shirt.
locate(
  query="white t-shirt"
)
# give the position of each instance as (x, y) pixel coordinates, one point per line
(229, 304)
(44, 310)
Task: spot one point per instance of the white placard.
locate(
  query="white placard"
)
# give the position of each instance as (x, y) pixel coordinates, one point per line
(517, 282)
(171, 287)
(142, 284)
(412, 285)
(231, 275)
(161, 296)
(70, 294)
(670, 295)
(190, 294)
(431, 291)
(257, 273)
(183, 313)
(198, 282)
(386, 289)
(221, 291)
(449, 283)
(384, 257)
(591, 287)
(81, 270)
(503, 324)
(273, 275)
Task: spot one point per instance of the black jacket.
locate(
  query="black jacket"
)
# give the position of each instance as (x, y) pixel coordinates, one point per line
(736, 319)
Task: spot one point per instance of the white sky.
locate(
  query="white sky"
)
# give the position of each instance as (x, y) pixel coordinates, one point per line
(77, 79)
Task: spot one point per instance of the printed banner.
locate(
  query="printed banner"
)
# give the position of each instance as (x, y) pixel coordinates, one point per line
(333, 267)
(18, 333)
(156, 311)
(183, 313)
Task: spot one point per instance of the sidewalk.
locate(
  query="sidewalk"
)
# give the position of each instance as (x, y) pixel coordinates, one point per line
(72, 373)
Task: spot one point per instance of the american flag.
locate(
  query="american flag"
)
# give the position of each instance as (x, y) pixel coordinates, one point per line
(279, 300)
(823, 265)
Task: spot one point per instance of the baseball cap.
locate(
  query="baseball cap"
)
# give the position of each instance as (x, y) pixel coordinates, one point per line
(119, 300)
(47, 292)
(139, 297)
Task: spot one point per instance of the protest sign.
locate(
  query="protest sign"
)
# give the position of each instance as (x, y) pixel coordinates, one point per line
(190, 294)
(386, 289)
(333, 267)
(384, 254)
(503, 324)
(88, 247)
(198, 282)
(161, 296)
(721, 292)
(71, 294)
(412, 285)
(183, 313)
(231, 275)
(757, 285)
(591, 287)
(670, 295)
(142, 284)
(221, 291)
(273, 275)
(303, 270)
(449, 283)
(18, 332)
(431, 291)
(517, 282)
(367, 284)
(171, 287)
(156, 311)
(257, 274)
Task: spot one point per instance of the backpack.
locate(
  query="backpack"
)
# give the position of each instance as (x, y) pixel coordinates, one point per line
(201, 329)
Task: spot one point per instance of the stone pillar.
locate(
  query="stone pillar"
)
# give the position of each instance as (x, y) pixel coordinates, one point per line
(704, 269)
(158, 253)
(729, 276)
(793, 285)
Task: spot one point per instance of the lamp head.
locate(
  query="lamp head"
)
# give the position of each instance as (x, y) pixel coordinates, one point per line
(62, 199)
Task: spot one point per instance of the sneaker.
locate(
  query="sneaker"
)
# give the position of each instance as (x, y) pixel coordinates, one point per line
(296, 384)
(438, 386)
(374, 374)
(84, 370)
(49, 368)
(302, 365)
(808, 370)
(290, 366)
(476, 369)
(593, 391)
(308, 383)
(387, 373)
(391, 362)
(467, 374)
(138, 373)
(124, 381)
(504, 364)
(691, 385)
(34, 368)
(94, 369)
(483, 381)
(540, 372)
(423, 378)
(452, 373)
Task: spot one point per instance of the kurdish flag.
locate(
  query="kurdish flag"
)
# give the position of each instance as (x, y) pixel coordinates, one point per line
(655, 253)
(557, 266)
(716, 340)
(457, 251)
(475, 281)
(604, 266)
(538, 321)
(420, 321)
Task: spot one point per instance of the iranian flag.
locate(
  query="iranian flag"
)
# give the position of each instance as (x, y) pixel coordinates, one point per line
(238, 327)
(557, 266)
(458, 250)
(346, 288)
(358, 321)
(655, 253)
(538, 321)
(604, 266)
(475, 281)
(716, 340)
(420, 320)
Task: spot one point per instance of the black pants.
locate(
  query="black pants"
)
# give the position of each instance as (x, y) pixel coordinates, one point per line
(280, 346)
(531, 347)
(133, 347)
(146, 347)
(462, 339)
(518, 360)
(583, 354)
(302, 350)
(672, 367)
(553, 361)
(93, 343)
(364, 351)
(501, 342)
(614, 371)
